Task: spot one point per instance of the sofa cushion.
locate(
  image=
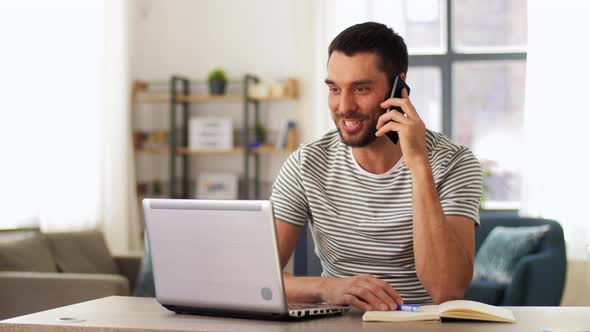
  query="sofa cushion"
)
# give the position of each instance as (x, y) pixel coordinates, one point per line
(81, 252)
(26, 251)
(485, 291)
(503, 248)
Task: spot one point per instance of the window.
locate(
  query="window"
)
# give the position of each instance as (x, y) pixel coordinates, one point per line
(467, 73)
(421, 23)
(486, 26)
(426, 90)
(52, 79)
(488, 104)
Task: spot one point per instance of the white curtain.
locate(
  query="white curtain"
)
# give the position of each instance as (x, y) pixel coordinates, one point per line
(64, 133)
(557, 117)
(119, 208)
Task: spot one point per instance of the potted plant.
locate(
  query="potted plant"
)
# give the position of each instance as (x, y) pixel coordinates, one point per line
(217, 81)
(259, 133)
(485, 190)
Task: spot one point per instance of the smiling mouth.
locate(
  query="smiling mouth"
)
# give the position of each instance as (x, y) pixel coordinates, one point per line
(351, 123)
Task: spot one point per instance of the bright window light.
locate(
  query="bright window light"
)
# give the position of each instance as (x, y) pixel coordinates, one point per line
(51, 100)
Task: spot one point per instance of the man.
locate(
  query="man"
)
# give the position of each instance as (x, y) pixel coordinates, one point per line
(392, 223)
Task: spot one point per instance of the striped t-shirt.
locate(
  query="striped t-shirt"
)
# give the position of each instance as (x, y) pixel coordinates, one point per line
(362, 222)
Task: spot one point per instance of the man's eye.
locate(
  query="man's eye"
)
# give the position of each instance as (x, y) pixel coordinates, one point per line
(333, 89)
(361, 89)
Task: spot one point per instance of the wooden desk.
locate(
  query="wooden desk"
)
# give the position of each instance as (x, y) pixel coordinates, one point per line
(117, 313)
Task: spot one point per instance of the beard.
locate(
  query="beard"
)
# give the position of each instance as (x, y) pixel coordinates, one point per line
(365, 138)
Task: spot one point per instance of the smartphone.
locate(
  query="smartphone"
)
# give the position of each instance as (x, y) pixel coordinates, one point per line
(396, 92)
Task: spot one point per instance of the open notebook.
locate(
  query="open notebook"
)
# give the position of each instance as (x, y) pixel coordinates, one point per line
(458, 309)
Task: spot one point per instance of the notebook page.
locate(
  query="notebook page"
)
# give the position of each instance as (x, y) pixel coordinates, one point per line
(426, 312)
(471, 310)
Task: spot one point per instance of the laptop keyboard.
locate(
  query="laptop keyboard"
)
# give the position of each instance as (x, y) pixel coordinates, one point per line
(312, 309)
(305, 305)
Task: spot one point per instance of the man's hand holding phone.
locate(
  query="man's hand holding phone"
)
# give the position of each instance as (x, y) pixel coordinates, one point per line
(364, 292)
(409, 126)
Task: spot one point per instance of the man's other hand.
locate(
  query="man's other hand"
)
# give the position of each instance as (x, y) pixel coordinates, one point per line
(364, 292)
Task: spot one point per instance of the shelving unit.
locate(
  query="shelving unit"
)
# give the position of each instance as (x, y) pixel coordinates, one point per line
(165, 98)
(179, 100)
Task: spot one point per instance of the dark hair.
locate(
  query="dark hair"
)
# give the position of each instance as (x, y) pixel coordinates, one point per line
(375, 38)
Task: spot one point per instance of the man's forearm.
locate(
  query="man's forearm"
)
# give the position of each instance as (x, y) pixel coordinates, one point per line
(302, 289)
(443, 264)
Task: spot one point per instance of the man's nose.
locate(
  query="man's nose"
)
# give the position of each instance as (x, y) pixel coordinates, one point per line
(347, 102)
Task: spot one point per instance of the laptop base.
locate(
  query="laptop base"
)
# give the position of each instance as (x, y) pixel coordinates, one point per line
(242, 314)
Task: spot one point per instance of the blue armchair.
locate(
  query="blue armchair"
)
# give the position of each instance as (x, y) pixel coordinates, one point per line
(538, 278)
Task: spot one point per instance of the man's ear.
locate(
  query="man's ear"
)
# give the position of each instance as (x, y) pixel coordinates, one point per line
(403, 76)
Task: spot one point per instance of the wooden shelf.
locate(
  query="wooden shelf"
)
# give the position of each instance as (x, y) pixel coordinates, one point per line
(153, 150)
(207, 98)
(209, 151)
(267, 149)
(152, 98)
(272, 98)
(165, 98)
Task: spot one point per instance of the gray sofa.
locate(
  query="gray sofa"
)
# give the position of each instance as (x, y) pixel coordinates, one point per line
(41, 271)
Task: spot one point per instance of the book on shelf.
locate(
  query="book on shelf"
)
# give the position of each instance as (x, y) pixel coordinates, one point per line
(457, 309)
(287, 136)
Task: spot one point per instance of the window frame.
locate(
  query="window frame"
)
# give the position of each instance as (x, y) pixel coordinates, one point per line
(445, 62)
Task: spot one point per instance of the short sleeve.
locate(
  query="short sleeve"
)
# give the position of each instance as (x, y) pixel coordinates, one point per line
(288, 196)
(461, 189)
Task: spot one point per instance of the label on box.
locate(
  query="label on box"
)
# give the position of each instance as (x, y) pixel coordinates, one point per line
(210, 133)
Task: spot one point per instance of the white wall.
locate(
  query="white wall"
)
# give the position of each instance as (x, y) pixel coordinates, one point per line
(190, 37)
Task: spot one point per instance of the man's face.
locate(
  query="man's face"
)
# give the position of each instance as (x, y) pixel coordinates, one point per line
(356, 88)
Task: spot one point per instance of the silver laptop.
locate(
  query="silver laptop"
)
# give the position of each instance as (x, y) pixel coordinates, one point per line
(220, 258)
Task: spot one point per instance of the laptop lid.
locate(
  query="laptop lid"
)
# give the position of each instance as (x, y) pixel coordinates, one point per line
(219, 255)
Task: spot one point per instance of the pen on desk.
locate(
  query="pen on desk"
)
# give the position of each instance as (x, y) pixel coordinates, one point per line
(408, 307)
